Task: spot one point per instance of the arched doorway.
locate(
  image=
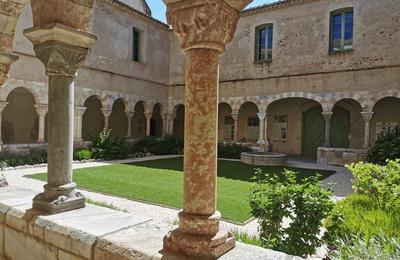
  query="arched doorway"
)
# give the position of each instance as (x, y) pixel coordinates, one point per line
(248, 123)
(313, 130)
(225, 122)
(156, 123)
(179, 121)
(93, 119)
(20, 121)
(139, 121)
(386, 116)
(118, 119)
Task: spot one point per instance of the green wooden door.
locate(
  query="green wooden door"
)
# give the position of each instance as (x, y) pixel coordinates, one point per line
(313, 131)
(340, 128)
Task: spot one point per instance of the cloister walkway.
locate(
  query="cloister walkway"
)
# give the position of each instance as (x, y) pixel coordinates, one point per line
(162, 214)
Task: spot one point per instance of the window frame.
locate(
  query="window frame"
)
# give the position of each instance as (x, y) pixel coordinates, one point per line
(139, 56)
(342, 12)
(258, 29)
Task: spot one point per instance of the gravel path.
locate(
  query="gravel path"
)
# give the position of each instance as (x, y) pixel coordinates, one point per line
(342, 187)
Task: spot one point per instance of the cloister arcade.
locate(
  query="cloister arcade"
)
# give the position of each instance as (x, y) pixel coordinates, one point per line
(295, 124)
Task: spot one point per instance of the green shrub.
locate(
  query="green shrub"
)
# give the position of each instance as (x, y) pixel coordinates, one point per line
(168, 145)
(377, 247)
(382, 183)
(362, 215)
(231, 151)
(301, 205)
(386, 147)
(34, 157)
(145, 145)
(82, 154)
(107, 148)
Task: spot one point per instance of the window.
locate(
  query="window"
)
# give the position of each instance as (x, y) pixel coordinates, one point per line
(280, 128)
(341, 38)
(264, 36)
(136, 45)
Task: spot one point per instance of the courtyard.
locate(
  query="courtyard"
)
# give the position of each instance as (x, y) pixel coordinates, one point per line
(160, 182)
(135, 130)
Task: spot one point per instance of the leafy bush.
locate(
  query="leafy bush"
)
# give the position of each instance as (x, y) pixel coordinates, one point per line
(82, 154)
(231, 151)
(145, 145)
(386, 147)
(107, 148)
(168, 145)
(35, 157)
(302, 206)
(362, 215)
(377, 247)
(382, 183)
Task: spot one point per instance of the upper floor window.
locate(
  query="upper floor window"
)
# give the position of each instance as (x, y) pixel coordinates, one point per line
(264, 36)
(341, 30)
(136, 45)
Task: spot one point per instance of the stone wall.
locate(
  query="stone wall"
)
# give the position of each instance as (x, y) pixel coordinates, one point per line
(339, 156)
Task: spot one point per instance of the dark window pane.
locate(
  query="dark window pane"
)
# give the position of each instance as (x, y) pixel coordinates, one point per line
(270, 35)
(136, 45)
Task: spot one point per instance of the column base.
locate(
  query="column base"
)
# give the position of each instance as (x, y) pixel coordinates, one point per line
(59, 199)
(3, 182)
(197, 237)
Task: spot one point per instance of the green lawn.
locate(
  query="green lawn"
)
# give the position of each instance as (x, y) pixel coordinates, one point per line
(160, 181)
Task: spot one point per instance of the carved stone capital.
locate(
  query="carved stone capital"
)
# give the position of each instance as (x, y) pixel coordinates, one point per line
(61, 49)
(367, 116)
(327, 116)
(106, 111)
(79, 111)
(203, 24)
(41, 110)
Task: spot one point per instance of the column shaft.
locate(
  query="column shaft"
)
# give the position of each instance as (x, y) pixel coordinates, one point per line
(79, 111)
(60, 135)
(261, 117)
(367, 116)
(148, 123)
(235, 117)
(327, 117)
(129, 115)
(200, 163)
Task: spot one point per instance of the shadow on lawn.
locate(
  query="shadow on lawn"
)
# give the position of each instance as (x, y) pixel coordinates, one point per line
(231, 169)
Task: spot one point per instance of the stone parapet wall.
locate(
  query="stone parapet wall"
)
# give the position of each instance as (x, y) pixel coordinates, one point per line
(339, 156)
(89, 233)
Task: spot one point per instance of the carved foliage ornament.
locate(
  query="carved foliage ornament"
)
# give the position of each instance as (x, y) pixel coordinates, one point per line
(60, 58)
(203, 24)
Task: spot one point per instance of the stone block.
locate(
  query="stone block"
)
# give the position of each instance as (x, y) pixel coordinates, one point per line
(62, 255)
(20, 217)
(78, 230)
(1, 240)
(19, 245)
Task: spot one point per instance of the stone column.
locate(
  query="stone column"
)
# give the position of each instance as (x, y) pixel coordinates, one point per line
(170, 129)
(6, 59)
(41, 111)
(203, 28)
(148, 116)
(129, 115)
(327, 117)
(235, 116)
(164, 117)
(261, 117)
(62, 50)
(79, 111)
(3, 105)
(107, 113)
(367, 116)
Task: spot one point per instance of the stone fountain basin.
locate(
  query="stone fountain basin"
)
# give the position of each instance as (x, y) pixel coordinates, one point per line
(263, 158)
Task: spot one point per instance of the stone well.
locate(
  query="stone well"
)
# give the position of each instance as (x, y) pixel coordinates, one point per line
(263, 158)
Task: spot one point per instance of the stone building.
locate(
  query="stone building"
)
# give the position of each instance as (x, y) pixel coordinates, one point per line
(303, 76)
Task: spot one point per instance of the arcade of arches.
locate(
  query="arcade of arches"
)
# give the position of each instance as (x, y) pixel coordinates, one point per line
(292, 125)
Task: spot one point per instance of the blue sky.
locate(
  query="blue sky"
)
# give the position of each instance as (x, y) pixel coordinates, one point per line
(158, 8)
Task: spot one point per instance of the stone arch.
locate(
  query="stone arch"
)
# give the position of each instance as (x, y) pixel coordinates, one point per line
(156, 123)
(285, 123)
(93, 118)
(178, 127)
(19, 118)
(347, 121)
(118, 118)
(139, 120)
(248, 123)
(386, 116)
(225, 122)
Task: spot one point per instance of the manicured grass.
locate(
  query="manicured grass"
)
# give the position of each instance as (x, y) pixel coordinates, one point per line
(160, 181)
